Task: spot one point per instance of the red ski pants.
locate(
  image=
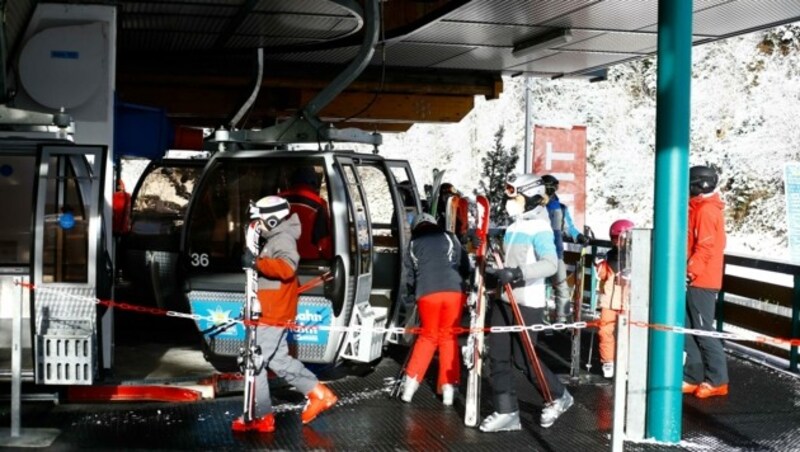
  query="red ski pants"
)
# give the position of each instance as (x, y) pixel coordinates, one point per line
(439, 312)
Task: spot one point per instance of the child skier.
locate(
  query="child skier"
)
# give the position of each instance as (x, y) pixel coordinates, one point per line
(530, 257)
(613, 293)
(276, 265)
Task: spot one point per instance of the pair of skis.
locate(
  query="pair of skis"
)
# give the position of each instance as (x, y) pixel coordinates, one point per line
(250, 359)
(476, 302)
(473, 351)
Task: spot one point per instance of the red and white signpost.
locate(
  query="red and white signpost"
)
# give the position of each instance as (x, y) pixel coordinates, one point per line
(561, 152)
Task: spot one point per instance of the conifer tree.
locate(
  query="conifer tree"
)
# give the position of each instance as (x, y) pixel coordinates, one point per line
(497, 164)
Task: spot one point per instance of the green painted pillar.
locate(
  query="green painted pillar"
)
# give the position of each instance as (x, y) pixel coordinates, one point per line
(668, 298)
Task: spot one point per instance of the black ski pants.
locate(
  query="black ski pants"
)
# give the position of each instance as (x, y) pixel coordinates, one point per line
(507, 352)
(705, 357)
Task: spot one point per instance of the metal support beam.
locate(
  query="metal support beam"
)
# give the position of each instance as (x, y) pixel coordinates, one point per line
(3, 54)
(354, 69)
(528, 167)
(305, 126)
(620, 382)
(638, 311)
(670, 218)
(795, 323)
(16, 359)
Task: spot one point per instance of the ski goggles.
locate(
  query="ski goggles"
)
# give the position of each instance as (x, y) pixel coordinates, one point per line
(511, 191)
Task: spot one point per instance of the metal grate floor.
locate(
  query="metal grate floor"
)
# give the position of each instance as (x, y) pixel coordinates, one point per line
(761, 413)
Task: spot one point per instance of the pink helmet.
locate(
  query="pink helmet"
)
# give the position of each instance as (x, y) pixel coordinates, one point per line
(618, 227)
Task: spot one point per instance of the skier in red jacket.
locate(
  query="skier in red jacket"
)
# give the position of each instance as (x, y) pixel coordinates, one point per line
(705, 372)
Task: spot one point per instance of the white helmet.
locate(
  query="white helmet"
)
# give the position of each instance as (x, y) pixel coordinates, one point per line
(530, 186)
(270, 209)
(527, 185)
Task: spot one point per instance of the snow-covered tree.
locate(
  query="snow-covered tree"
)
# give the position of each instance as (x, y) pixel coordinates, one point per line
(497, 164)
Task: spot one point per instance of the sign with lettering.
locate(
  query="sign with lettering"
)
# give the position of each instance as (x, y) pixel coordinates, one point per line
(792, 183)
(310, 316)
(561, 152)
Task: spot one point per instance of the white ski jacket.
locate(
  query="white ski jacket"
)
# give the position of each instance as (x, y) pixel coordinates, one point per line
(529, 245)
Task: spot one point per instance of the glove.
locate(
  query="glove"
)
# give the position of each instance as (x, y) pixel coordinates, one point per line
(248, 259)
(505, 275)
(583, 240)
(538, 200)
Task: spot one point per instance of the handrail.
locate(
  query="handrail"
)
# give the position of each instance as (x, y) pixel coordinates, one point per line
(762, 264)
(749, 317)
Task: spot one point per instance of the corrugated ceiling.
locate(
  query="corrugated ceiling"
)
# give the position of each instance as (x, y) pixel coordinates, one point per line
(432, 47)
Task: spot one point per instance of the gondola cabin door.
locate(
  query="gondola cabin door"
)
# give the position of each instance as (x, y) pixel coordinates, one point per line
(360, 344)
(68, 263)
(407, 203)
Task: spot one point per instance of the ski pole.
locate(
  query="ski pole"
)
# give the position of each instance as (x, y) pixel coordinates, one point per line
(527, 343)
(311, 283)
(395, 391)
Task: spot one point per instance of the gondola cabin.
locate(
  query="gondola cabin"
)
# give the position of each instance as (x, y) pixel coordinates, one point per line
(148, 250)
(359, 236)
(55, 236)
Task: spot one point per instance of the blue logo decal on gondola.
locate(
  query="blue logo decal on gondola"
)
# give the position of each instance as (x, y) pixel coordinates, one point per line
(66, 220)
(309, 318)
(219, 318)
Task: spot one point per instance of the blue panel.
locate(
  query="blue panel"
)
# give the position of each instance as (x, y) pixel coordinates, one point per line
(308, 315)
(312, 315)
(141, 131)
(221, 312)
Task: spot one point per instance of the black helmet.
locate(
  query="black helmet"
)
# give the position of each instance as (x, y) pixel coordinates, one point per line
(305, 175)
(702, 180)
(550, 184)
(424, 221)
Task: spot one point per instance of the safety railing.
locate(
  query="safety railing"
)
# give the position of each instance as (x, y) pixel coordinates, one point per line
(746, 301)
(761, 306)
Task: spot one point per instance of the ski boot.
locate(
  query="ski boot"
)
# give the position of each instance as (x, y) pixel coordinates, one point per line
(501, 422)
(410, 386)
(608, 370)
(319, 399)
(706, 390)
(556, 408)
(264, 424)
(448, 392)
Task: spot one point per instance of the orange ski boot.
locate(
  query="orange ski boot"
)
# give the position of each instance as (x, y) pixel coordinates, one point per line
(319, 399)
(706, 390)
(264, 424)
(688, 388)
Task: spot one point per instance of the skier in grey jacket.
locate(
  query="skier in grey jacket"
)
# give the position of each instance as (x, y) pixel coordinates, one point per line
(530, 257)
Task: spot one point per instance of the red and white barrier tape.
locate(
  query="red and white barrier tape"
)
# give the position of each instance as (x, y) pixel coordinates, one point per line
(752, 337)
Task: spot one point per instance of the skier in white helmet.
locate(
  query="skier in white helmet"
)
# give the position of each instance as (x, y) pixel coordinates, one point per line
(276, 265)
(530, 257)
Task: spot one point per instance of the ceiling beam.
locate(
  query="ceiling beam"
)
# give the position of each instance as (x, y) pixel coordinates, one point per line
(395, 107)
(235, 22)
(488, 87)
(385, 127)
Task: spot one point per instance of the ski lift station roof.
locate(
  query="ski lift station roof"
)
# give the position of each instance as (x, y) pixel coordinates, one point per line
(196, 58)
